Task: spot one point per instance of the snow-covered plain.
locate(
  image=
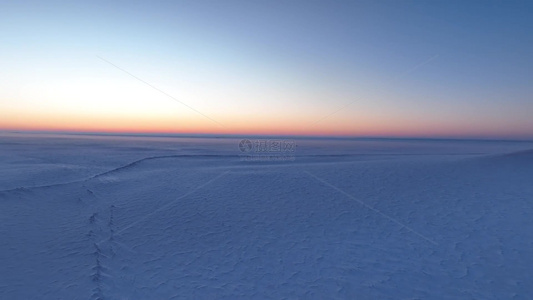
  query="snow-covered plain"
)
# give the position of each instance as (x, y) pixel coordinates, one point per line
(106, 217)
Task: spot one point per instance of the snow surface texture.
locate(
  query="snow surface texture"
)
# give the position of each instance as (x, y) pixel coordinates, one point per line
(85, 217)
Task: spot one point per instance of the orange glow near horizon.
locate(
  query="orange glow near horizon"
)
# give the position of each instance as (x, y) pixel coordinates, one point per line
(246, 125)
(127, 107)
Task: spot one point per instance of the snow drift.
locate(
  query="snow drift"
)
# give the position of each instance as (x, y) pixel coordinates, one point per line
(99, 218)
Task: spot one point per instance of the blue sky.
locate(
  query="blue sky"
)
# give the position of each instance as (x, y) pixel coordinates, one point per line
(385, 68)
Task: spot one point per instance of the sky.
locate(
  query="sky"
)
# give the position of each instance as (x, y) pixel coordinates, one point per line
(341, 68)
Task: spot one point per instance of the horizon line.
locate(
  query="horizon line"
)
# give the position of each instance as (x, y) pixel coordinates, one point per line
(259, 135)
